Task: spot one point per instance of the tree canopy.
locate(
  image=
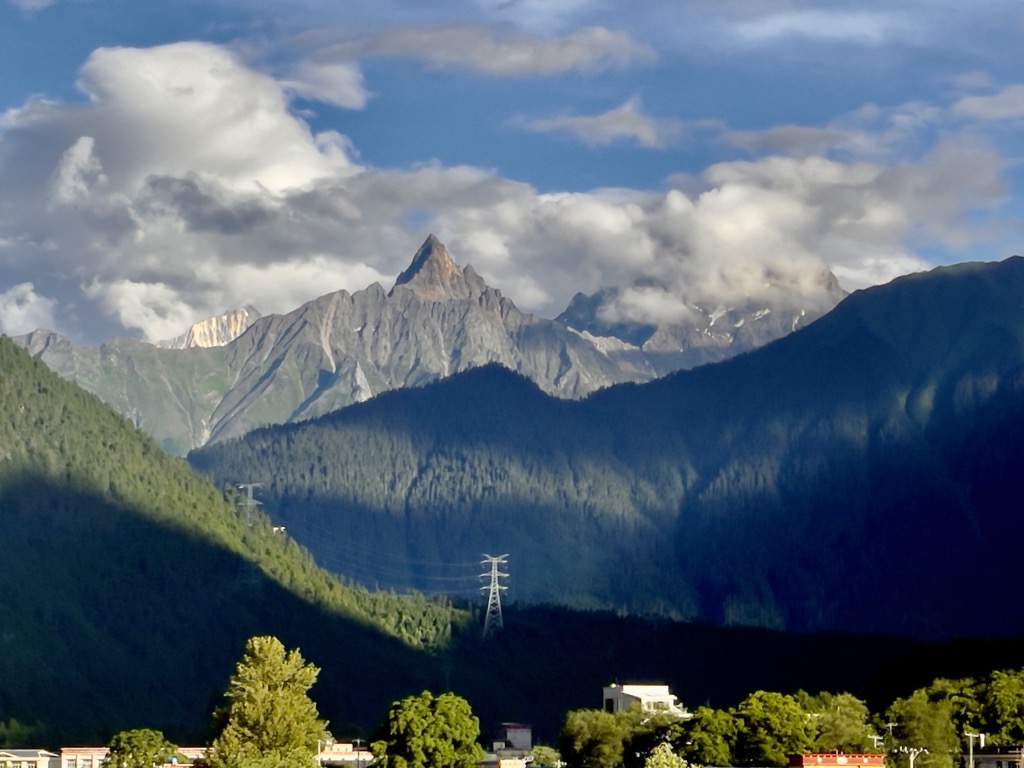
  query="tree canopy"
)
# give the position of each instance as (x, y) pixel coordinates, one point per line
(139, 748)
(269, 720)
(425, 731)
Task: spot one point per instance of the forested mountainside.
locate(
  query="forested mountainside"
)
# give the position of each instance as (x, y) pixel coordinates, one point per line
(439, 318)
(130, 584)
(860, 474)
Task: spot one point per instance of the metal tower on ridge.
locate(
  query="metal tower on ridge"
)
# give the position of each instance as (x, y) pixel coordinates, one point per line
(492, 620)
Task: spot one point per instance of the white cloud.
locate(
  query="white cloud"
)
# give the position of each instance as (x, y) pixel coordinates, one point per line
(23, 310)
(162, 311)
(1007, 104)
(187, 186)
(339, 83)
(510, 53)
(195, 108)
(623, 122)
(78, 172)
(825, 25)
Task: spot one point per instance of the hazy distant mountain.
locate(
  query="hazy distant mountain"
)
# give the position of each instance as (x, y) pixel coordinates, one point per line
(862, 473)
(438, 319)
(711, 331)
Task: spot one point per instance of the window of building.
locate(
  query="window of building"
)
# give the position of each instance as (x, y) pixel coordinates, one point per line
(70, 762)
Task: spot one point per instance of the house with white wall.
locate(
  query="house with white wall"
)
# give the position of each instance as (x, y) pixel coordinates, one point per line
(653, 698)
(28, 758)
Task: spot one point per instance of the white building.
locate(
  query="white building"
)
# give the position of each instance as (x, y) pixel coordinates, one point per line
(651, 698)
(27, 758)
(343, 753)
(82, 757)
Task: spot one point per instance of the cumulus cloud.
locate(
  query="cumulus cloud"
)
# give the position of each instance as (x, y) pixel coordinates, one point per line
(193, 108)
(626, 121)
(511, 53)
(186, 185)
(23, 310)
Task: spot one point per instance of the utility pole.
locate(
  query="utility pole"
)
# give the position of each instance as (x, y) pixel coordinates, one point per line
(912, 751)
(492, 620)
(970, 748)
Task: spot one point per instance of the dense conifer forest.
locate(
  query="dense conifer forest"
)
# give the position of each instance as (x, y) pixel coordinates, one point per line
(861, 474)
(130, 583)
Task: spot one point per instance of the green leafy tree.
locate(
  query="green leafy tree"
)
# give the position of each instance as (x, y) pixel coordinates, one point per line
(1004, 706)
(964, 700)
(269, 720)
(923, 722)
(428, 732)
(593, 738)
(645, 733)
(840, 723)
(710, 736)
(771, 726)
(542, 755)
(663, 756)
(138, 748)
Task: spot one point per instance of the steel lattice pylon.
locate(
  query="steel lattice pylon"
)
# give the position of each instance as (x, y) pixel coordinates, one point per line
(492, 620)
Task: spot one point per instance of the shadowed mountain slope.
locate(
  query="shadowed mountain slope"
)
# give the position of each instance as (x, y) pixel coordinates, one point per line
(860, 474)
(130, 584)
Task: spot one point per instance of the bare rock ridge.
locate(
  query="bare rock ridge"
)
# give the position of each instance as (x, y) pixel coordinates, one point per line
(237, 371)
(215, 331)
(434, 276)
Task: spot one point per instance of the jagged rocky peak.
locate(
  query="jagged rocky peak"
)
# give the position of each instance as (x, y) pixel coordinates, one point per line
(433, 275)
(215, 331)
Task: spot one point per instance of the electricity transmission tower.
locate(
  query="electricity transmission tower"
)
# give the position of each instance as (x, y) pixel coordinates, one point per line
(249, 504)
(492, 620)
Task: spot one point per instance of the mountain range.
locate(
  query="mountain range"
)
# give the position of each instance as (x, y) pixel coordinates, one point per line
(238, 371)
(860, 474)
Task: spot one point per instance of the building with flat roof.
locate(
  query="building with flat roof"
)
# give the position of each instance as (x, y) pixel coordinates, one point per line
(653, 698)
(28, 758)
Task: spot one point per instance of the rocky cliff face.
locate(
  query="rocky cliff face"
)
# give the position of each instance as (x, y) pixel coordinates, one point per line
(238, 371)
(215, 331)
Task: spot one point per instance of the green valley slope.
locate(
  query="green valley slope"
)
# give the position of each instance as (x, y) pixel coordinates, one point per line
(130, 583)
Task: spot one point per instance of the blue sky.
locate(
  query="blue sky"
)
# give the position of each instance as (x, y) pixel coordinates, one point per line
(163, 162)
